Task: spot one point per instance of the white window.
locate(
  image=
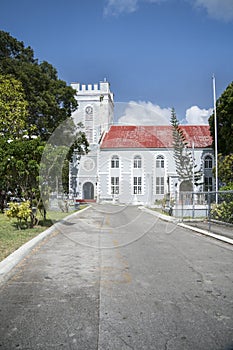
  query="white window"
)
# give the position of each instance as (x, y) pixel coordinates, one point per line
(115, 162)
(137, 162)
(208, 163)
(208, 183)
(137, 185)
(159, 185)
(114, 185)
(159, 162)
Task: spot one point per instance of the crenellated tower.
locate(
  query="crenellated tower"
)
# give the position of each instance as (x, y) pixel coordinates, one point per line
(95, 112)
(95, 108)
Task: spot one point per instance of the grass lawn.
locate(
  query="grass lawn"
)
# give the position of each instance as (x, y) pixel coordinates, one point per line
(12, 238)
(159, 210)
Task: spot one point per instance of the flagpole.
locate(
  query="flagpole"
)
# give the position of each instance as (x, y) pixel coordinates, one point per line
(215, 140)
(193, 212)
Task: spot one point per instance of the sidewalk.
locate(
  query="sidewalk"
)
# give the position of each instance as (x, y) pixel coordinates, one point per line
(220, 232)
(213, 227)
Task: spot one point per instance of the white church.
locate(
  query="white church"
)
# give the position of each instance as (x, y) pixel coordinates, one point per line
(129, 163)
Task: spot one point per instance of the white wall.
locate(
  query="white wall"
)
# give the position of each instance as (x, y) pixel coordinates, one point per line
(148, 172)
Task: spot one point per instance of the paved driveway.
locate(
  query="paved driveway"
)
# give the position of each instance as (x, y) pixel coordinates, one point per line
(115, 277)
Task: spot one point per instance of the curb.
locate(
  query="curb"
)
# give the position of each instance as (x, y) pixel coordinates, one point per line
(195, 229)
(207, 233)
(14, 258)
(160, 216)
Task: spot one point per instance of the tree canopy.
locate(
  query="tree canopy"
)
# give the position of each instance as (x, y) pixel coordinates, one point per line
(33, 104)
(224, 112)
(50, 100)
(13, 108)
(19, 165)
(225, 169)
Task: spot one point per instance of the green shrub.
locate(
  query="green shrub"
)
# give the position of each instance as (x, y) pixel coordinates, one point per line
(223, 212)
(20, 211)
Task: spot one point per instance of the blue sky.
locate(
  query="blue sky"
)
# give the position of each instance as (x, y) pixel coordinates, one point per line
(156, 54)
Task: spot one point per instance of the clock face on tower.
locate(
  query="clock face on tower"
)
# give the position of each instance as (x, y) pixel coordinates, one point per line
(89, 110)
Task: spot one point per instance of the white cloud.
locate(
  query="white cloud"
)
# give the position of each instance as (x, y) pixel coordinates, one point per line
(142, 113)
(219, 9)
(147, 113)
(198, 116)
(117, 7)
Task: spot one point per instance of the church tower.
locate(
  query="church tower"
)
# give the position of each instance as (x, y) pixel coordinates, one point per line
(95, 109)
(95, 112)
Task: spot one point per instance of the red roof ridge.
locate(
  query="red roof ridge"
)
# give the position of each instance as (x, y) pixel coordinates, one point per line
(154, 136)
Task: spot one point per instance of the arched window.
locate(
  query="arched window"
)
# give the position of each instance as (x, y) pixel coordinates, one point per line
(115, 162)
(137, 162)
(159, 162)
(208, 162)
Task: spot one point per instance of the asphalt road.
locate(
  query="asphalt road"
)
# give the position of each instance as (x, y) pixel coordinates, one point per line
(114, 278)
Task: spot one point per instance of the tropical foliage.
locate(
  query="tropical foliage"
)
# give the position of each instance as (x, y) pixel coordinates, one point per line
(223, 212)
(224, 112)
(13, 108)
(20, 211)
(50, 100)
(225, 170)
(33, 104)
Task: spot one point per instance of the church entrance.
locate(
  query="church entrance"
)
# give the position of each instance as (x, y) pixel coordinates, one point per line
(185, 188)
(88, 190)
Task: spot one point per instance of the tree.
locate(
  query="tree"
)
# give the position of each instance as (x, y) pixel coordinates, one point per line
(58, 152)
(13, 108)
(33, 103)
(184, 161)
(19, 166)
(50, 100)
(225, 170)
(224, 112)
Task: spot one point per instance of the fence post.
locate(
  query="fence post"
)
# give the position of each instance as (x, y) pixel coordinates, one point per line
(209, 210)
(182, 205)
(193, 206)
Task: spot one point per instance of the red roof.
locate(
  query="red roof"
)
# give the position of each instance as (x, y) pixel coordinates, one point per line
(121, 136)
